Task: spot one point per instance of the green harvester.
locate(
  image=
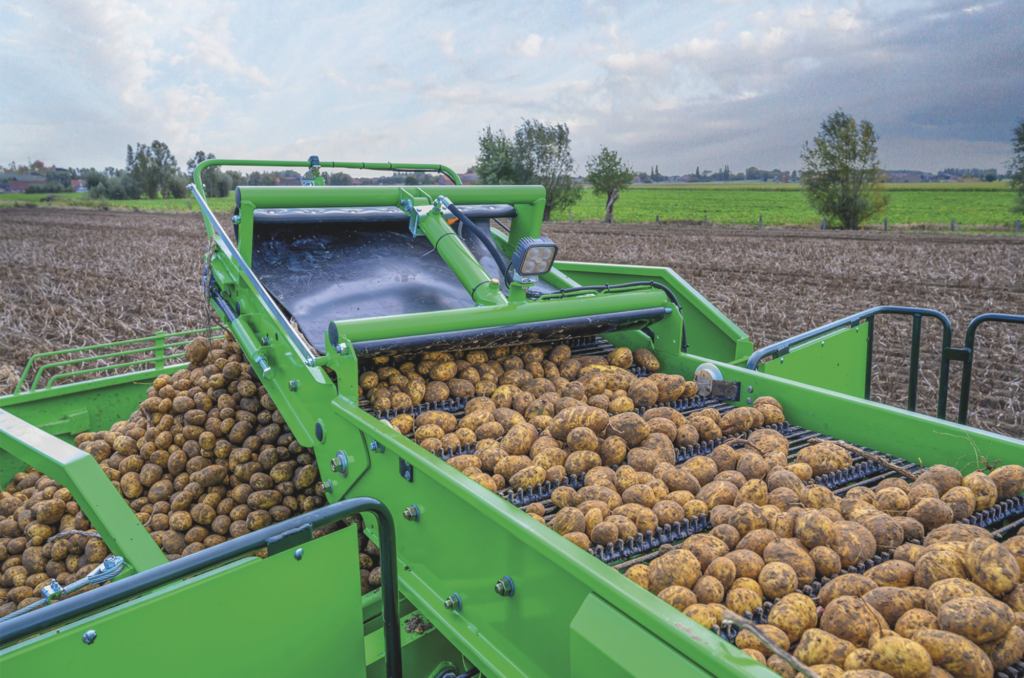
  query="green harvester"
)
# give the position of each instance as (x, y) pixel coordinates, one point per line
(315, 282)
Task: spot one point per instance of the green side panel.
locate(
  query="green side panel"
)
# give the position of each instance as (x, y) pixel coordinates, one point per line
(837, 362)
(67, 410)
(603, 642)
(272, 617)
(890, 430)
(708, 331)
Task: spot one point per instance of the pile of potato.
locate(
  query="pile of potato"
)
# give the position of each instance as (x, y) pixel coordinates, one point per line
(207, 457)
(946, 603)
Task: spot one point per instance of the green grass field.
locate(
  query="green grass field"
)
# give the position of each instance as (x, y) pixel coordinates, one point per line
(743, 203)
(735, 203)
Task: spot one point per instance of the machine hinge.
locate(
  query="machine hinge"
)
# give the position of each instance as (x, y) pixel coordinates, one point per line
(960, 354)
(405, 469)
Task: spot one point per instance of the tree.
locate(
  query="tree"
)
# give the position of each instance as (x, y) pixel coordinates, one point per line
(841, 175)
(1016, 169)
(538, 154)
(608, 174)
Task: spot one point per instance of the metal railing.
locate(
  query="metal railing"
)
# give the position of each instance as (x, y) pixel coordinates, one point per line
(966, 354)
(282, 536)
(783, 347)
(162, 349)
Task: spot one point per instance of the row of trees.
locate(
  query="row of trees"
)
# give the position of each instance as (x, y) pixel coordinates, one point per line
(841, 175)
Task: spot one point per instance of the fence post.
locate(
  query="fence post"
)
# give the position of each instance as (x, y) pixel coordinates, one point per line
(952, 225)
(1018, 225)
(760, 221)
(570, 216)
(886, 227)
(824, 223)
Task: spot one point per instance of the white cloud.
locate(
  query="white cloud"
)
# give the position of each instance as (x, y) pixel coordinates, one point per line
(447, 40)
(530, 47)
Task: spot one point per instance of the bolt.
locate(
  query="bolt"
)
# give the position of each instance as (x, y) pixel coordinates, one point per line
(453, 602)
(750, 389)
(293, 385)
(298, 554)
(327, 486)
(341, 348)
(375, 446)
(505, 587)
(265, 340)
(823, 343)
(89, 637)
(412, 513)
(748, 401)
(782, 360)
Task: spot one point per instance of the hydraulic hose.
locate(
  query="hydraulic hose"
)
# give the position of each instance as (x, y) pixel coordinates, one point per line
(499, 258)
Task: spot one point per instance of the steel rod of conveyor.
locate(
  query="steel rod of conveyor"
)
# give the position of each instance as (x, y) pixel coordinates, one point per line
(224, 243)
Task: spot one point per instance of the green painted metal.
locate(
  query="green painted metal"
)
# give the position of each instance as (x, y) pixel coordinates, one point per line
(258, 617)
(836, 361)
(602, 642)
(972, 329)
(708, 331)
(458, 257)
(159, 349)
(89, 485)
(419, 650)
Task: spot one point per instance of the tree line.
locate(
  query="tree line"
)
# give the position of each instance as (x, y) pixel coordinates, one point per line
(841, 176)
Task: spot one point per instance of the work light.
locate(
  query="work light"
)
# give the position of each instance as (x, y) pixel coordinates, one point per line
(534, 256)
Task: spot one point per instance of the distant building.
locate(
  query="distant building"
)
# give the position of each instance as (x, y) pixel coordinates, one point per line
(79, 186)
(904, 178)
(17, 183)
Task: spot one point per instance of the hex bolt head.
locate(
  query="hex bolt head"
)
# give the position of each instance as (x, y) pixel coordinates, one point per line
(89, 637)
(298, 554)
(453, 603)
(505, 587)
(750, 389)
(412, 513)
(748, 401)
(374, 446)
(293, 385)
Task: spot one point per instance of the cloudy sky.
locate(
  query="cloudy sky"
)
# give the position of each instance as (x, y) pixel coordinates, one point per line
(679, 84)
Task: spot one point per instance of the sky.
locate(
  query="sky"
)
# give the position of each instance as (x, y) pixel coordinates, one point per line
(680, 85)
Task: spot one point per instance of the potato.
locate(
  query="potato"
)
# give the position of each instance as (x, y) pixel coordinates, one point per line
(1009, 481)
(961, 500)
(678, 567)
(443, 420)
(853, 542)
(789, 552)
(826, 561)
(568, 519)
(980, 620)
(994, 568)
(745, 640)
(638, 574)
(851, 619)
(823, 458)
(794, 614)
(820, 647)
(945, 590)
(814, 529)
(748, 563)
(709, 590)
(1006, 650)
(892, 573)
(900, 658)
(528, 477)
(777, 579)
(937, 565)
(955, 654)
(854, 585)
(678, 597)
(985, 491)
(717, 493)
(914, 620)
(891, 602)
(742, 600)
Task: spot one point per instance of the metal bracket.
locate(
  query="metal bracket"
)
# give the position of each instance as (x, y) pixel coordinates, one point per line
(960, 354)
(289, 540)
(405, 469)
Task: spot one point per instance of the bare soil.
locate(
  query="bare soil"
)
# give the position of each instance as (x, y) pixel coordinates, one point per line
(76, 278)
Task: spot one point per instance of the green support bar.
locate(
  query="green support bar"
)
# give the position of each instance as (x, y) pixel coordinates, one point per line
(458, 257)
(89, 485)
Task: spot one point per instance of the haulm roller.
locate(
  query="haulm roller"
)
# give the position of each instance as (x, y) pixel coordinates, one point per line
(419, 444)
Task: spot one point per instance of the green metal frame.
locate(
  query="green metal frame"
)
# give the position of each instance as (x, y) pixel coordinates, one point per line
(967, 355)
(571, 614)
